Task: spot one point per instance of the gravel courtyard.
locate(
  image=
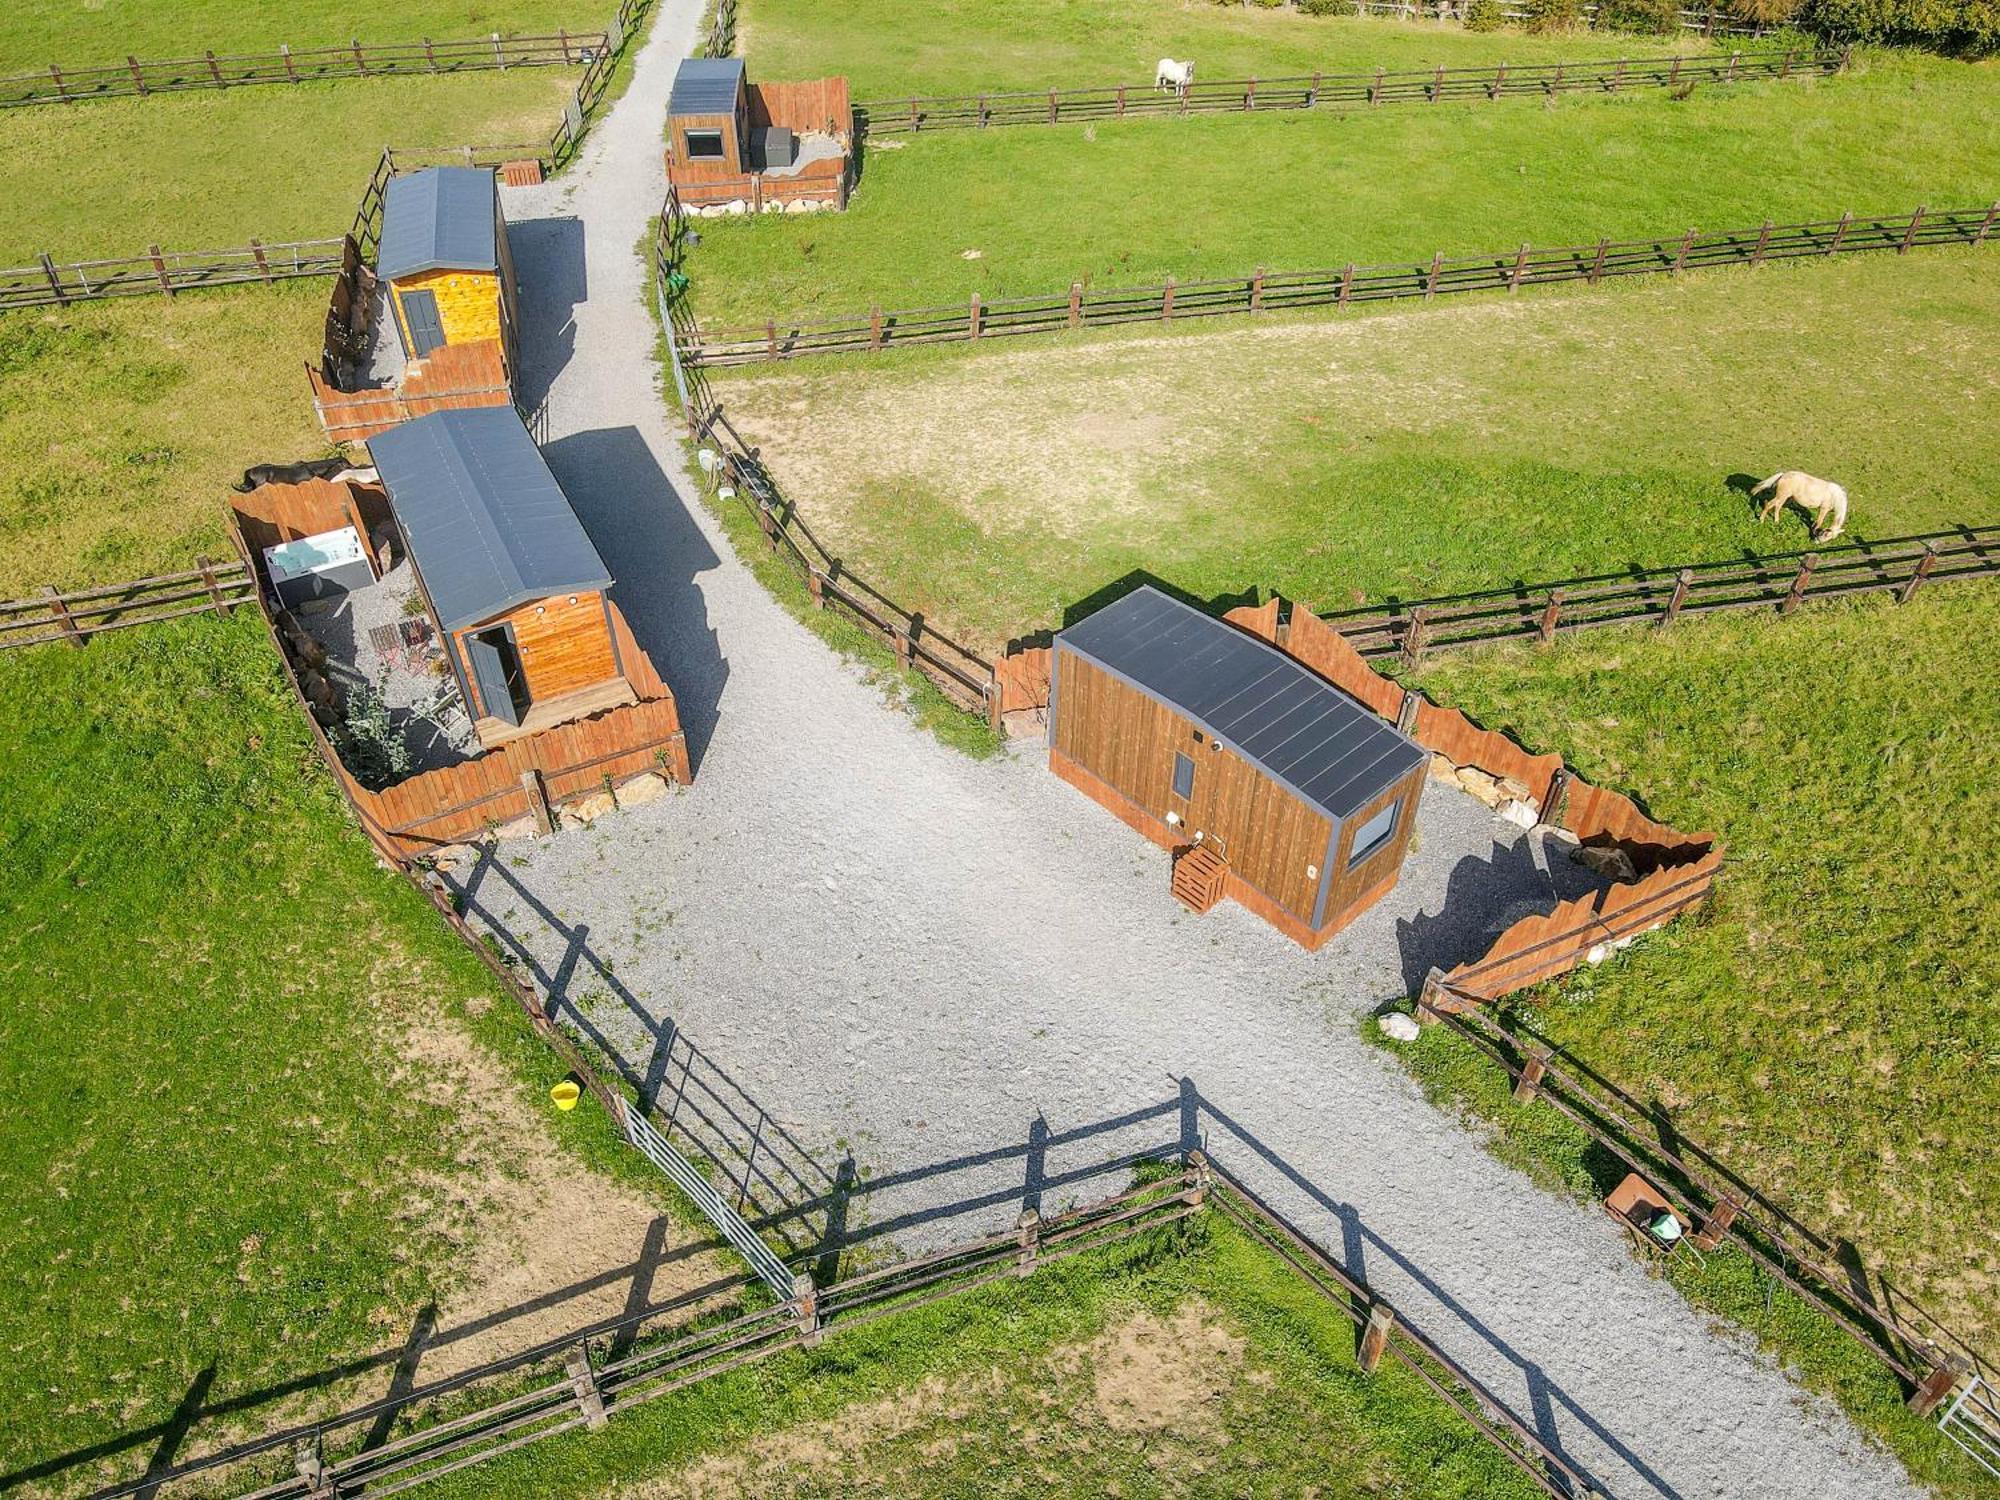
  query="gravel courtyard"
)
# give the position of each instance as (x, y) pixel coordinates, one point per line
(972, 983)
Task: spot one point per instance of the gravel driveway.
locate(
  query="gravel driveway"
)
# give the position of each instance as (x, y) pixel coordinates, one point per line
(847, 943)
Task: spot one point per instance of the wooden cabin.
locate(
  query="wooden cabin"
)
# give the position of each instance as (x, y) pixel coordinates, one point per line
(443, 255)
(511, 579)
(1271, 786)
(708, 116)
(739, 147)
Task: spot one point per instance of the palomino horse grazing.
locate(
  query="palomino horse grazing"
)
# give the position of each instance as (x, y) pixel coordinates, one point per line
(1822, 497)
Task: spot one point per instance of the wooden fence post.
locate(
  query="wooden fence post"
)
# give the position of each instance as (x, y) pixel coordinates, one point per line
(499, 57)
(210, 582)
(1551, 612)
(1437, 84)
(538, 801)
(1801, 581)
(770, 339)
(1499, 83)
(1935, 1388)
(1674, 73)
(1076, 304)
(1922, 571)
(996, 705)
(1408, 709)
(1257, 290)
(1533, 1067)
(1202, 1175)
(1520, 266)
(1687, 244)
(1167, 301)
(562, 36)
(1683, 580)
(1346, 283)
(430, 55)
(1597, 265)
(1786, 70)
(1617, 77)
(1375, 1337)
(1375, 88)
(1028, 1240)
(1553, 806)
(902, 640)
(1715, 1223)
(583, 1381)
(816, 587)
(54, 280)
(1428, 998)
(257, 254)
(1052, 106)
(1763, 242)
(1431, 281)
(360, 61)
(138, 78)
(1121, 101)
(60, 611)
(974, 319)
(1910, 233)
(160, 269)
(805, 1309)
(1839, 232)
(291, 71)
(1249, 95)
(875, 326)
(1414, 634)
(214, 72)
(1986, 224)
(1312, 94)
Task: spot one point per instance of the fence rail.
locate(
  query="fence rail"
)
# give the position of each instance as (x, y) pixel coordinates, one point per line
(721, 30)
(1270, 291)
(1709, 22)
(164, 272)
(222, 70)
(1918, 1349)
(1055, 106)
(207, 588)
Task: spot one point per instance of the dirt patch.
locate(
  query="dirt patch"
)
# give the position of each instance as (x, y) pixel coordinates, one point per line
(1155, 1375)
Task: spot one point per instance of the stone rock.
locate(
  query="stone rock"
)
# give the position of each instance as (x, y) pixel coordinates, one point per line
(522, 827)
(972, 255)
(455, 856)
(1442, 769)
(1607, 860)
(587, 809)
(640, 790)
(1558, 835)
(1521, 814)
(1598, 954)
(1481, 785)
(1514, 788)
(1398, 1027)
(1025, 724)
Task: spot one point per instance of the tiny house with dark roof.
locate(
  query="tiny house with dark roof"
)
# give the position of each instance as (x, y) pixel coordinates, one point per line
(1269, 784)
(739, 147)
(443, 255)
(515, 586)
(708, 113)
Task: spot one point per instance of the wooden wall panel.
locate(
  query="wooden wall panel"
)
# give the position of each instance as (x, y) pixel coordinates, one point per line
(274, 513)
(1594, 814)
(1320, 647)
(1353, 887)
(1024, 679)
(1464, 743)
(468, 302)
(818, 104)
(1261, 620)
(564, 647)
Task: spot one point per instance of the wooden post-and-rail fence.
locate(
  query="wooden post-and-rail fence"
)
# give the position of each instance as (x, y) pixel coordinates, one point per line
(1119, 101)
(53, 616)
(1265, 291)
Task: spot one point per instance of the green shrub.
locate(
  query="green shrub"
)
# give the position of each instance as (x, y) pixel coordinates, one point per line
(1645, 17)
(1553, 15)
(1484, 15)
(1969, 26)
(1325, 7)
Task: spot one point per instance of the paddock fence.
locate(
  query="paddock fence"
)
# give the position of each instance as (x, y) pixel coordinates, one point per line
(1931, 1361)
(159, 272)
(1056, 106)
(588, 1376)
(136, 77)
(1707, 23)
(1274, 291)
(721, 30)
(207, 588)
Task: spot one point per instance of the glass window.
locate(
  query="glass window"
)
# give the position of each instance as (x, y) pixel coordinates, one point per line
(1183, 776)
(704, 143)
(1373, 834)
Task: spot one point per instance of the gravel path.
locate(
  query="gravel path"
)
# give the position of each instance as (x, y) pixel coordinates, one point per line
(973, 983)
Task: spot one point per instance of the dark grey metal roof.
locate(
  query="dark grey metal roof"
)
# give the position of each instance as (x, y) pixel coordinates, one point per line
(439, 219)
(706, 86)
(1258, 701)
(482, 515)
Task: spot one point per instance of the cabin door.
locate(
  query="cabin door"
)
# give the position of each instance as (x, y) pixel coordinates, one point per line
(426, 326)
(496, 671)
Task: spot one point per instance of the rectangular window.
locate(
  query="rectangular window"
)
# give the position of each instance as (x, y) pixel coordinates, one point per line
(1373, 834)
(1183, 776)
(704, 144)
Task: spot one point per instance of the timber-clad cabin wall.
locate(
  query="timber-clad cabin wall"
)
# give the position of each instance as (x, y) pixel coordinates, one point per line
(564, 646)
(1195, 733)
(445, 259)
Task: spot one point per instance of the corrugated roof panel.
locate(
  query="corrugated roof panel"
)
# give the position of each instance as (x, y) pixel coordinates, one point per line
(706, 86)
(1264, 705)
(439, 219)
(482, 515)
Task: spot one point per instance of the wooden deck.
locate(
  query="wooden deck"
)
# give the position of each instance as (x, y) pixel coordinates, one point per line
(549, 712)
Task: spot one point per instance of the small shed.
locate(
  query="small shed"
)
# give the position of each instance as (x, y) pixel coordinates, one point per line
(443, 255)
(510, 577)
(1271, 785)
(708, 113)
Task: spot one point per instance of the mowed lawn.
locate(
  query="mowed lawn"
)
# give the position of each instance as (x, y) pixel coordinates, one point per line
(123, 423)
(234, 1152)
(886, 48)
(208, 171)
(1831, 1024)
(87, 33)
(1028, 210)
(1343, 459)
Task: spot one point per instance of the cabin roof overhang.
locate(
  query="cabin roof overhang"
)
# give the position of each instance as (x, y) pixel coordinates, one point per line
(439, 219)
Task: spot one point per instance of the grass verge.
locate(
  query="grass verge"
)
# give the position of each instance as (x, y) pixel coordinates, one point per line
(1339, 458)
(122, 423)
(1046, 206)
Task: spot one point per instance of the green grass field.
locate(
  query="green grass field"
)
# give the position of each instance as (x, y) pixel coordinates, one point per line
(1116, 204)
(123, 423)
(207, 171)
(250, 1078)
(1828, 1024)
(900, 47)
(86, 33)
(1338, 459)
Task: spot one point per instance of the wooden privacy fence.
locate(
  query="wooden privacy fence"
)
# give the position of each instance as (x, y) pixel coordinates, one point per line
(1055, 106)
(1273, 291)
(212, 70)
(1932, 1361)
(207, 588)
(164, 272)
(584, 1378)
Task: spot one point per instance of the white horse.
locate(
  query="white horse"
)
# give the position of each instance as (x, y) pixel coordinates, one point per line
(1173, 77)
(1825, 499)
